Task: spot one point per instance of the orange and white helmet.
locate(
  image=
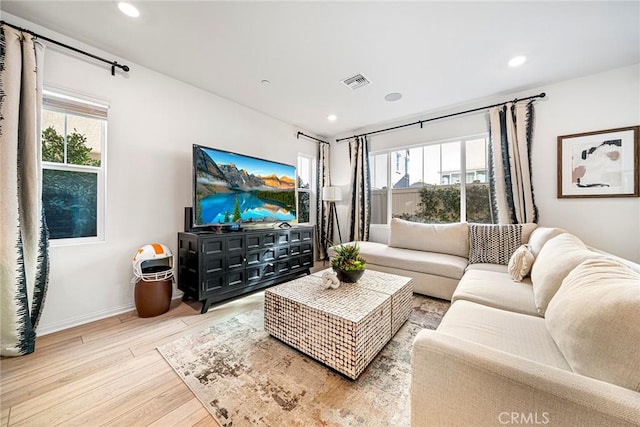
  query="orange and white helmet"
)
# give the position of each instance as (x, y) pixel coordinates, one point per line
(153, 262)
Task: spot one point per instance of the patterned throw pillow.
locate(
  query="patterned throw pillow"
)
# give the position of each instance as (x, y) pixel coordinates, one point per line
(493, 244)
(520, 263)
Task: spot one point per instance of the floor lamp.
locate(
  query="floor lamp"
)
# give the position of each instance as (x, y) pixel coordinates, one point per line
(332, 195)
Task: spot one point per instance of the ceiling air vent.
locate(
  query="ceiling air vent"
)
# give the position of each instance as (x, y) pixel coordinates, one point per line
(356, 81)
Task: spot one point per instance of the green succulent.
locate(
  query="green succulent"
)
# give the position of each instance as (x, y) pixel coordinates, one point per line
(348, 258)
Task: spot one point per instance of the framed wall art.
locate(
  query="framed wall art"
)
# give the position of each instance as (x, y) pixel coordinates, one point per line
(604, 163)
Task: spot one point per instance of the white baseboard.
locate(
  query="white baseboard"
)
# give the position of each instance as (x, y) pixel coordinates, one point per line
(87, 318)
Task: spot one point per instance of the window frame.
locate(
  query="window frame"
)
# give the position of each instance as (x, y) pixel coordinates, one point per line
(462, 171)
(311, 190)
(88, 105)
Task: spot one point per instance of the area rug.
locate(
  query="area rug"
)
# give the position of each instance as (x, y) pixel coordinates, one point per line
(245, 377)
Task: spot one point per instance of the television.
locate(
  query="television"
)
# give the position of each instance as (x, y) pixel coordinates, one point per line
(230, 189)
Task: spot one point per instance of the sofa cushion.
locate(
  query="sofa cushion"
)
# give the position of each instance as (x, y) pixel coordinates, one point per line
(542, 235)
(496, 289)
(632, 265)
(407, 259)
(493, 243)
(452, 239)
(487, 267)
(527, 229)
(520, 263)
(595, 320)
(519, 334)
(557, 258)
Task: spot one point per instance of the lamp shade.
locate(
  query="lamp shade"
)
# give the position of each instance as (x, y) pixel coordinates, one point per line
(331, 194)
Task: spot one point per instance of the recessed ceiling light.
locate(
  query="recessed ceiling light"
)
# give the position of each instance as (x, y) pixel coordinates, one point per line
(393, 96)
(128, 9)
(332, 117)
(517, 61)
(265, 82)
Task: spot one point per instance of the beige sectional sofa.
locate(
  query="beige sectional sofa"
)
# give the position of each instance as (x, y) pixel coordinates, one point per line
(559, 348)
(436, 256)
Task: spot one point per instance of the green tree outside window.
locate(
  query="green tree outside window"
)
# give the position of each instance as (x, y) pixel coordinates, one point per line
(77, 151)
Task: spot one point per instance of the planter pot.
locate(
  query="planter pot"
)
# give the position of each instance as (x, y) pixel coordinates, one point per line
(349, 276)
(153, 298)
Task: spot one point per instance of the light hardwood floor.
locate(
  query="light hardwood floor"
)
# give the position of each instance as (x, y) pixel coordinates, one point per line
(109, 372)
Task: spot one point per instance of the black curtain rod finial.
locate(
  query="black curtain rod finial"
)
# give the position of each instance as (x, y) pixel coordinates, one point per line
(115, 64)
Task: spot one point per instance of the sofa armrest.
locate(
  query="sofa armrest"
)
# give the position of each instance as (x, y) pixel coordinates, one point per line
(457, 382)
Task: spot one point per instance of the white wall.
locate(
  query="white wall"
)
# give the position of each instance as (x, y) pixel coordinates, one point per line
(153, 121)
(602, 101)
(598, 102)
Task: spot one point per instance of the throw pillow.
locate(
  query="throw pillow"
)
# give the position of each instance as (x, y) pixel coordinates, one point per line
(595, 320)
(452, 239)
(540, 236)
(527, 229)
(520, 263)
(493, 244)
(557, 258)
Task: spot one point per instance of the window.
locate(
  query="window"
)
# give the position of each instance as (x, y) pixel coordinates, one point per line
(306, 174)
(73, 153)
(379, 170)
(438, 182)
(476, 188)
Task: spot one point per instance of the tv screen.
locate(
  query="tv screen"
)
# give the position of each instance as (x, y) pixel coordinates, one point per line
(229, 188)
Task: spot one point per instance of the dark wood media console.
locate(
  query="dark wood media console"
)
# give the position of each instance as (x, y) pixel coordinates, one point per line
(215, 267)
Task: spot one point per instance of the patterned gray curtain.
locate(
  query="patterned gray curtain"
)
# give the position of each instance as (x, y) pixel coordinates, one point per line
(324, 217)
(360, 189)
(511, 128)
(24, 261)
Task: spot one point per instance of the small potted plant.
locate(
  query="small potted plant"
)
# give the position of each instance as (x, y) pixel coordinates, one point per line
(348, 264)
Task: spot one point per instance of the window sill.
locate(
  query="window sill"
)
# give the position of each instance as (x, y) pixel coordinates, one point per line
(76, 241)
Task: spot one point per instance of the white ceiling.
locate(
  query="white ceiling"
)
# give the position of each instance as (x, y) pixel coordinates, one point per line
(437, 54)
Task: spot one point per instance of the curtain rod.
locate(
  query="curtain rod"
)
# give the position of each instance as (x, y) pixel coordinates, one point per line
(113, 64)
(311, 137)
(420, 122)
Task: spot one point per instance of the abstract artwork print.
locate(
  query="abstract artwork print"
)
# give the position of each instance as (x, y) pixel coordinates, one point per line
(599, 164)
